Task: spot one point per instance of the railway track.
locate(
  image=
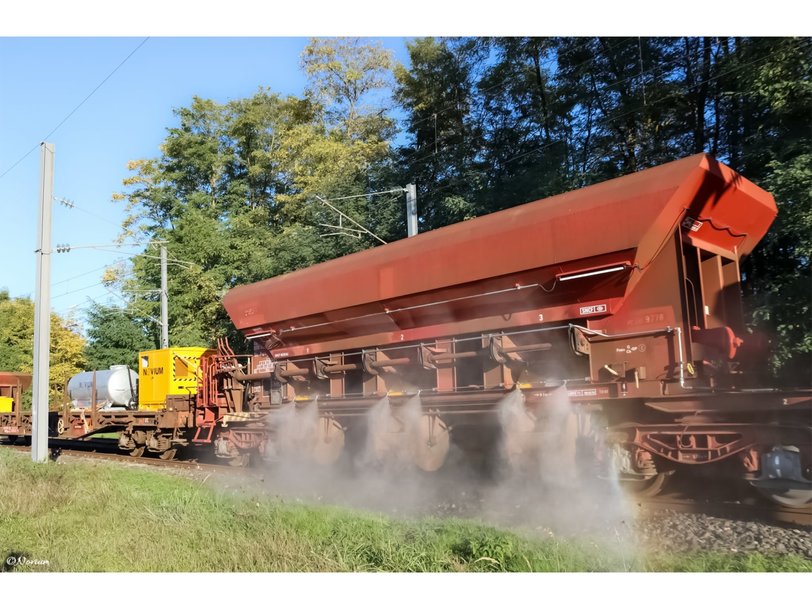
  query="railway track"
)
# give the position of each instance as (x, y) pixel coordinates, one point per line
(100, 450)
(731, 510)
(686, 498)
(729, 500)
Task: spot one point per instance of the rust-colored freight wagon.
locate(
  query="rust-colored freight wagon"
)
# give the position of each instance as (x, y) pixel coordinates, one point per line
(625, 295)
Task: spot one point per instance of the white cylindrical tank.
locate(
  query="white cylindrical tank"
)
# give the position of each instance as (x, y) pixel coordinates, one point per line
(117, 386)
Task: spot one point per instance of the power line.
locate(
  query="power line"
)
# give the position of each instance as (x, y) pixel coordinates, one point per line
(186, 263)
(70, 204)
(130, 304)
(72, 112)
(89, 272)
(368, 194)
(66, 247)
(87, 287)
(361, 228)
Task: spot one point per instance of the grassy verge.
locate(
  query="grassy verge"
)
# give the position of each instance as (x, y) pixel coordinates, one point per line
(105, 517)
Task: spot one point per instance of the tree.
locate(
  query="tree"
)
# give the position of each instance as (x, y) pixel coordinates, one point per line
(17, 344)
(115, 337)
(234, 192)
(443, 157)
(343, 73)
(774, 91)
(488, 123)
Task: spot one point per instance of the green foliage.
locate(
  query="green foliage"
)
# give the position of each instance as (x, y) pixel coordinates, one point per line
(17, 343)
(775, 114)
(115, 337)
(438, 92)
(234, 192)
(342, 73)
(496, 552)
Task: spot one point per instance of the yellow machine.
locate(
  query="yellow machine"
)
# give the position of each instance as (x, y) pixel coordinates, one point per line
(171, 371)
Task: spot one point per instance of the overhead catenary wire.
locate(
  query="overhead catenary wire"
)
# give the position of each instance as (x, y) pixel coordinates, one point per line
(185, 263)
(94, 246)
(106, 266)
(129, 305)
(87, 287)
(128, 310)
(70, 204)
(72, 112)
(341, 214)
(366, 194)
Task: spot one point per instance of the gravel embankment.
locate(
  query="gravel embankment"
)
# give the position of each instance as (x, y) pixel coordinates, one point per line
(677, 532)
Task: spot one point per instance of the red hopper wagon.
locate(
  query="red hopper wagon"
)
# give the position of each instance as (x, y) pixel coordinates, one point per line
(621, 300)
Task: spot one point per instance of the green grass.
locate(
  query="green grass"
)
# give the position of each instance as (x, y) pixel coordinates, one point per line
(106, 517)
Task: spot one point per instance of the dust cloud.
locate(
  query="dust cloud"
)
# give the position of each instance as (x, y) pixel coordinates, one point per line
(530, 480)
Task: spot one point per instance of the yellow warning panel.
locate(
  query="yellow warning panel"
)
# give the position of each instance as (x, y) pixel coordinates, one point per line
(171, 371)
(6, 404)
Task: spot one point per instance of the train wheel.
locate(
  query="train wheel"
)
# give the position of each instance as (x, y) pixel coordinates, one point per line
(415, 439)
(431, 444)
(784, 494)
(649, 487)
(636, 471)
(785, 476)
(243, 460)
(520, 442)
(169, 454)
(137, 452)
(329, 441)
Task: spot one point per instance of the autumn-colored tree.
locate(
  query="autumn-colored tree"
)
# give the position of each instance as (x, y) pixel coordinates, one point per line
(17, 343)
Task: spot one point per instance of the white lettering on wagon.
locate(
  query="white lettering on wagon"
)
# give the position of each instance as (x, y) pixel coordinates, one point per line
(601, 308)
(262, 365)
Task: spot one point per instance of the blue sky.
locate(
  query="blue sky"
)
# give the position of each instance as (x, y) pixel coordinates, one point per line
(43, 79)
